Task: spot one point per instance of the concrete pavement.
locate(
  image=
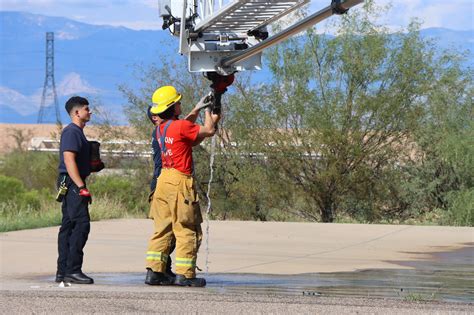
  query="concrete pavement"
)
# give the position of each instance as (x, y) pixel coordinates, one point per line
(242, 247)
(249, 264)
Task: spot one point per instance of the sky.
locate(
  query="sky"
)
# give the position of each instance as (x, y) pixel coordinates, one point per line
(143, 14)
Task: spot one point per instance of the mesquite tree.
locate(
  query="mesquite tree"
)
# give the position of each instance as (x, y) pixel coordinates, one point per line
(338, 122)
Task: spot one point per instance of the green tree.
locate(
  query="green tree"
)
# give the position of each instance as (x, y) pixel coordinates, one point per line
(339, 120)
(443, 174)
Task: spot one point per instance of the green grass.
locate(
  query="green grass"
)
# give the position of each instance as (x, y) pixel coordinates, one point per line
(105, 207)
(418, 297)
(15, 217)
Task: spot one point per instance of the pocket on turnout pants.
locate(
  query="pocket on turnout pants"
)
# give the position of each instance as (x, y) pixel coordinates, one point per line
(189, 211)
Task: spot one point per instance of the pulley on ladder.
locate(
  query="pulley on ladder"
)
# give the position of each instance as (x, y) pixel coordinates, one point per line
(228, 36)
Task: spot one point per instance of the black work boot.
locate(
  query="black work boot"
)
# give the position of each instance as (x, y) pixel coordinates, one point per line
(157, 278)
(189, 282)
(59, 277)
(171, 276)
(79, 278)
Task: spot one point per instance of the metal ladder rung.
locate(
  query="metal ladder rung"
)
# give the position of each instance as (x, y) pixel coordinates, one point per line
(245, 15)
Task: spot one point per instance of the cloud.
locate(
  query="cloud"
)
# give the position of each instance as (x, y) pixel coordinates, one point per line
(454, 14)
(152, 4)
(134, 25)
(22, 104)
(71, 84)
(138, 15)
(15, 4)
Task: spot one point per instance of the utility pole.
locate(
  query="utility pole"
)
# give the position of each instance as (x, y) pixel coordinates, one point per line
(49, 88)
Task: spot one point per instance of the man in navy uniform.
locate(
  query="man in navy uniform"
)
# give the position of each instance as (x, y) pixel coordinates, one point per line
(74, 167)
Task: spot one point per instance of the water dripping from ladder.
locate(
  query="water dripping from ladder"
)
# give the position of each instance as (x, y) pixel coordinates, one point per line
(208, 195)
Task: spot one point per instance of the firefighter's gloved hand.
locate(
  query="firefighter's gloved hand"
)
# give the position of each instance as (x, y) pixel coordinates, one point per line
(205, 102)
(85, 193)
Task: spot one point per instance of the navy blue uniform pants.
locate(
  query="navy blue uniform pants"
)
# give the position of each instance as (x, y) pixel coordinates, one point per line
(74, 230)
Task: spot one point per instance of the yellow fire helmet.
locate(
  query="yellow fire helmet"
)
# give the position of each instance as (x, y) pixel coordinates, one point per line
(163, 98)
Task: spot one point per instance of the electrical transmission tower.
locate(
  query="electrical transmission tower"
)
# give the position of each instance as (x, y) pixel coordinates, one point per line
(49, 89)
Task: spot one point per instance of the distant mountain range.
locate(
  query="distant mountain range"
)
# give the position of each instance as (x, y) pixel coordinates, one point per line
(93, 60)
(89, 60)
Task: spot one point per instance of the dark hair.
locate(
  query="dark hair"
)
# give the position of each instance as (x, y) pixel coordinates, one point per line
(149, 114)
(168, 113)
(75, 101)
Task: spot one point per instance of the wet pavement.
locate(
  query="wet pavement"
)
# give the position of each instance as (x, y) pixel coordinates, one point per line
(443, 276)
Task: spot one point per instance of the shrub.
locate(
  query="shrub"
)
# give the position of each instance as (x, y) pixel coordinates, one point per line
(30, 199)
(36, 170)
(10, 188)
(122, 189)
(461, 206)
(13, 192)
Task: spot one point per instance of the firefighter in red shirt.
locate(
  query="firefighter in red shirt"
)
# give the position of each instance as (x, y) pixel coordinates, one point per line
(175, 205)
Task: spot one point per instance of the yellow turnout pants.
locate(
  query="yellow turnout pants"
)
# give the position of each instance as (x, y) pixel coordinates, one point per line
(175, 210)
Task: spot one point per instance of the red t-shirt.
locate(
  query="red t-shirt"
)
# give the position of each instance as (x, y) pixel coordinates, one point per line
(180, 136)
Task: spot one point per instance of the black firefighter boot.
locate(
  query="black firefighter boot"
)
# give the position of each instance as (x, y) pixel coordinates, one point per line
(189, 282)
(170, 274)
(157, 278)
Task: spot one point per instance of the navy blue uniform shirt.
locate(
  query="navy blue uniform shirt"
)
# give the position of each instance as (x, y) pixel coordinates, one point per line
(74, 140)
(156, 159)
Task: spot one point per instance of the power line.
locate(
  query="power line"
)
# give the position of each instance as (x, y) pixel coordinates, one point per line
(70, 53)
(107, 57)
(21, 52)
(22, 70)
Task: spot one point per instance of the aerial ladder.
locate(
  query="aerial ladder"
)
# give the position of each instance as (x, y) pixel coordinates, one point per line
(222, 37)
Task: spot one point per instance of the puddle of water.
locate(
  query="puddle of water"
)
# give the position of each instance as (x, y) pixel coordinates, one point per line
(449, 276)
(402, 283)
